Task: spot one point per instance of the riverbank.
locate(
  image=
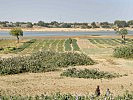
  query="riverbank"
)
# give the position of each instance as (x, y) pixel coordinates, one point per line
(59, 29)
(41, 29)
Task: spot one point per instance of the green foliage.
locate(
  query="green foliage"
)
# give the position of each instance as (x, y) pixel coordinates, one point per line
(94, 25)
(120, 23)
(59, 96)
(130, 22)
(87, 73)
(75, 45)
(42, 62)
(68, 45)
(25, 45)
(16, 32)
(123, 52)
(122, 31)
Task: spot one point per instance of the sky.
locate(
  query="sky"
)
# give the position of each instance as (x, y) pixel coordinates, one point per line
(66, 10)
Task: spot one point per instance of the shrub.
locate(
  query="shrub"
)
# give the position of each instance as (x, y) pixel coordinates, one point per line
(123, 52)
(42, 62)
(87, 73)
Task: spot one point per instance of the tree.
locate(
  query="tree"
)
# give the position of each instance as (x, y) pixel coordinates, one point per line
(66, 25)
(120, 23)
(29, 25)
(130, 22)
(93, 24)
(16, 32)
(40, 23)
(123, 32)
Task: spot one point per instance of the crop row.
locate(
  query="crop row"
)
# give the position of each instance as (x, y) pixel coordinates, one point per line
(71, 45)
(103, 43)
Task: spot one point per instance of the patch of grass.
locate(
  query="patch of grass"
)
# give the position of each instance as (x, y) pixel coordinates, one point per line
(87, 73)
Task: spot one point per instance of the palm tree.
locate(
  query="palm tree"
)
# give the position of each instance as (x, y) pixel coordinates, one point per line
(123, 32)
(16, 32)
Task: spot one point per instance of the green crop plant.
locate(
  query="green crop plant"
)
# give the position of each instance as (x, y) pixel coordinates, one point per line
(24, 46)
(61, 46)
(59, 96)
(87, 73)
(68, 45)
(123, 52)
(43, 61)
(75, 45)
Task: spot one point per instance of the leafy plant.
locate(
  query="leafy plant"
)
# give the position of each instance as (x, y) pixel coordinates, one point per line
(123, 52)
(87, 73)
(42, 62)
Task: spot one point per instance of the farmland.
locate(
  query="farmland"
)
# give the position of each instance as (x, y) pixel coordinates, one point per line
(35, 45)
(64, 56)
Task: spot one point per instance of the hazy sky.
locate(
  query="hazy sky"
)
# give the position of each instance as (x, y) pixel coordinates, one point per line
(66, 10)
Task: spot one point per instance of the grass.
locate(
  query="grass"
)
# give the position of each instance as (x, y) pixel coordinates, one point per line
(87, 73)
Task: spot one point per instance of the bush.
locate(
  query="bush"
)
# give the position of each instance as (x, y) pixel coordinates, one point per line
(42, 62)
(87, 73)
(123, 52)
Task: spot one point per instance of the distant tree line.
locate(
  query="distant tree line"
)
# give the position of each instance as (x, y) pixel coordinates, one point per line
(55, 24)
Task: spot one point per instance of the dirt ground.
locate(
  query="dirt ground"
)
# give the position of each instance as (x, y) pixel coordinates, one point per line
(51, 82)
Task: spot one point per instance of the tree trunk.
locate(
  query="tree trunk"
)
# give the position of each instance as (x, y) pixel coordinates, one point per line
(123, 39)
(17, 39)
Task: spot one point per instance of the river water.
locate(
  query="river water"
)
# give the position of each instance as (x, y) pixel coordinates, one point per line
(2, 33)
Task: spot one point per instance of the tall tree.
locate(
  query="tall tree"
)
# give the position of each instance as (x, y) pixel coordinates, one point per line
(16, 32)
(123, 32)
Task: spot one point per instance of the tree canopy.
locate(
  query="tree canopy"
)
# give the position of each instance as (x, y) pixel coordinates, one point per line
(16, 32)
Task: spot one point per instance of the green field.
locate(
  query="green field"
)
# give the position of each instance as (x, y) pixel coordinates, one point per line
(109, 43)
(35, 45)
